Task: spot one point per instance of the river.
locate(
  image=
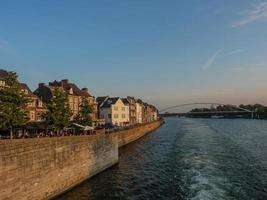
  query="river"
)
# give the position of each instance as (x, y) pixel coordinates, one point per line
(198, 159)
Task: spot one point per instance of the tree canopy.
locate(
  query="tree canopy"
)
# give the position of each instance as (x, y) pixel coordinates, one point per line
(59, 113)
(12, 103)
(84, 115)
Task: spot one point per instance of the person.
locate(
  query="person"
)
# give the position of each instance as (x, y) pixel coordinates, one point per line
(26, 135)
(51, 134)
(20, 134)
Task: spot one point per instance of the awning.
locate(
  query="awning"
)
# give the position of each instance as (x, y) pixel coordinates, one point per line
(86, 128)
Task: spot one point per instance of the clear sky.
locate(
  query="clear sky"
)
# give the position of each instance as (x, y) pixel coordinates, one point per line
(166, 51)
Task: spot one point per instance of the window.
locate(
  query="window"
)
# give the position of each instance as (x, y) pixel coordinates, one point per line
(32, 115)
(40, 103)
(31, 103)
(123, 108)
(115, 107)
(123, 116)
(116, 116)
(71, 106)
(109, 116)
(39, 117)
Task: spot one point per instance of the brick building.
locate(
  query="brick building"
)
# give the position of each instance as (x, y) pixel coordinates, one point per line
(132, 110)
(73, 92)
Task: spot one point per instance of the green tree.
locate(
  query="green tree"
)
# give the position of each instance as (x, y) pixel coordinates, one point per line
(12, 104)
(59, 113)
(84, 115)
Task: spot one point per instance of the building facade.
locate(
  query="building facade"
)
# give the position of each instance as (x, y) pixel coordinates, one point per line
(132, 110)
(154, 113)
(113, 110)
(35, 107)
(139, 111)
(74, 94)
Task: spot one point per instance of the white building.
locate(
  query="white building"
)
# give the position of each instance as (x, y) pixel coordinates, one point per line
(113, 110)
(139, 112)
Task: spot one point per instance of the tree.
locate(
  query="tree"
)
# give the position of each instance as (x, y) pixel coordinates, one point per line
(12, 104)
(84, 115)
(59, 113)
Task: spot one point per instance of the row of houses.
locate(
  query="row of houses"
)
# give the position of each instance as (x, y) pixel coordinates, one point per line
(125, 111)
(112, 110)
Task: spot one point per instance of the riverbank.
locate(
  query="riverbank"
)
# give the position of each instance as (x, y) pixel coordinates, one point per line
(42, 168)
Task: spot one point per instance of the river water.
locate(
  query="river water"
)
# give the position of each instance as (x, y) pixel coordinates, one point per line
(187, 159)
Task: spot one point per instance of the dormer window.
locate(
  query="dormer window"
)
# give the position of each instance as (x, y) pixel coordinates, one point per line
(71, 91)
(26, 91)
(109, 101)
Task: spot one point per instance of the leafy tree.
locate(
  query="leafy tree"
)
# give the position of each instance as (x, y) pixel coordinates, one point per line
(59, 113)
(12, 104)
(84, 115)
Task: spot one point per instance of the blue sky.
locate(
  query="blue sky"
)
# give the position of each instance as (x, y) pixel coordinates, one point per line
(167, 52)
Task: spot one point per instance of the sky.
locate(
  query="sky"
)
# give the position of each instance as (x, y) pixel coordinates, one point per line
(166, 52)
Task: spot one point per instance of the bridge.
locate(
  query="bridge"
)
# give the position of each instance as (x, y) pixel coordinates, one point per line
(234, 112)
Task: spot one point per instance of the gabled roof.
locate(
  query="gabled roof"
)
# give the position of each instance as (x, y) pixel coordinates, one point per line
(110, 101)
(125, 101)
(45, 92)
(75, 89)
(67, 86)
(131, 99)
(85, 93)
(101, 100)
(139, 101)
(24, 86)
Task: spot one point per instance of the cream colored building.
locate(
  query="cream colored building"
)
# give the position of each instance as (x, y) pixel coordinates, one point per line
(113, 111)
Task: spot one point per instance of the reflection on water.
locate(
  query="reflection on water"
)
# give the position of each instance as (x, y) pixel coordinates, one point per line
(188, 159)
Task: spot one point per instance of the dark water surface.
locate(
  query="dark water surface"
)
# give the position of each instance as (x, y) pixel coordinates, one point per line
(188, 159)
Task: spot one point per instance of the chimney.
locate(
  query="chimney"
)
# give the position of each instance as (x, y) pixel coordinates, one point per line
(41, 85)
(52, 83)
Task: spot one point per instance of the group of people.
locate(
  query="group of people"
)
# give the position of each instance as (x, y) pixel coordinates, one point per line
(28, 134)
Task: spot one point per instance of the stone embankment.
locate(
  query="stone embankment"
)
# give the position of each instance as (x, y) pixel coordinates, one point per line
(41, 168)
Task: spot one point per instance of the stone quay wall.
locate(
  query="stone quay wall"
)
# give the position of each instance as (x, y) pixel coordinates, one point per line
(127, 136)
(42, 168)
